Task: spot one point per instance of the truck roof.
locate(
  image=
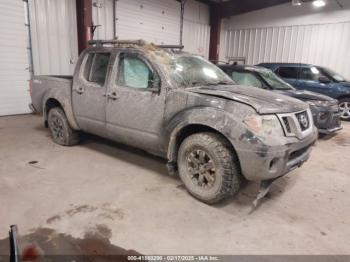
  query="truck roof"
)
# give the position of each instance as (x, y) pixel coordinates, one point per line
(283, 64)
(243, 68)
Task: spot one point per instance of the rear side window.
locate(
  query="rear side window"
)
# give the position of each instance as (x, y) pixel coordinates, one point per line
(96, 67)
(246, 79)
(288, 72)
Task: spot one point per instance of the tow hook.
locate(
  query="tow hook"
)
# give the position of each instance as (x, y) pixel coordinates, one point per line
(264, 189)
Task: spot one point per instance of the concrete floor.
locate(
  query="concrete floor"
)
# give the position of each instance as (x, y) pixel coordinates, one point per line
(137, 205)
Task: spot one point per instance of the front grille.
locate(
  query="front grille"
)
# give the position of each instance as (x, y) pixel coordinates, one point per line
(298, 124)
(303, 120)
(286, 124)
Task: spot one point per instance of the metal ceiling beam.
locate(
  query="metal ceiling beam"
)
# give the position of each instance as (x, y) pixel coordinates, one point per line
(236, 7)
(215, 29)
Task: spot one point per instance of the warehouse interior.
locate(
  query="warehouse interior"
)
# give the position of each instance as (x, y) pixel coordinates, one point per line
(102, 197)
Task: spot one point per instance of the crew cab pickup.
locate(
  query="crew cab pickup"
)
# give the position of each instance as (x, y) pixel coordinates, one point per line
(180, 107)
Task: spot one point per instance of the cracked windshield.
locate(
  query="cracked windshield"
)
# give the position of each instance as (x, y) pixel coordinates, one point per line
(192, 71)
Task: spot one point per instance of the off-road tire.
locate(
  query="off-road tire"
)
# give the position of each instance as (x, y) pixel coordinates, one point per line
(345, 100)
(228, 178)
(66, 136)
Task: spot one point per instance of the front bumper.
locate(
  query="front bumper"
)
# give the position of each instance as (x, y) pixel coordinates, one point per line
(267, 162)
(327, 119)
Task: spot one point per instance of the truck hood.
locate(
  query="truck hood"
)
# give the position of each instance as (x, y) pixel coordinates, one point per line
(264, 102)
(305, 95)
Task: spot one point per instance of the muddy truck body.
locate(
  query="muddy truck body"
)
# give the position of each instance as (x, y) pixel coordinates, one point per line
(180, 107)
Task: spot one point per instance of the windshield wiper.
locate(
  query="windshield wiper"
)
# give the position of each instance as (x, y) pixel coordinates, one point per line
(194, 84)
(221, 83)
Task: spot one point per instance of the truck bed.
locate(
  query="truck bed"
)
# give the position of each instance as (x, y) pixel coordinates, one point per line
(44, 87)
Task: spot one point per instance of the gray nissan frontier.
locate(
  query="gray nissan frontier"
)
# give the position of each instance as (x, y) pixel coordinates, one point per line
(181, 107)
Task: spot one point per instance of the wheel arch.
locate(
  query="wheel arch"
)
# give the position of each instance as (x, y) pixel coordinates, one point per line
(49, 104)
(179, 135)
(52, 102)
(347, 96)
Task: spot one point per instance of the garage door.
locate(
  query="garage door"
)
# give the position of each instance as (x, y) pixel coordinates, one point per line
(152, 20)
(53, 26)
(14, 74)
(102, 16)
(155, 21)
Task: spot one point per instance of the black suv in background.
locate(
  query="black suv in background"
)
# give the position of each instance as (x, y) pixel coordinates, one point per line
(317, 79)
(325, 110)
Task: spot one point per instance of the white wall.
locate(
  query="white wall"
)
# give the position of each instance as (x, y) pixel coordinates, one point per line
(291, 34)
(196, 34)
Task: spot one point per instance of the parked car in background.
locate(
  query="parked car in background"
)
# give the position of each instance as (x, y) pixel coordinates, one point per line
(180, 107)
(325, 110)
(317, 79)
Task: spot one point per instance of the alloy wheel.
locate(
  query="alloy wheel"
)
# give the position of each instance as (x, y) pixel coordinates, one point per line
(345, 110)
(57, 128)
(201, 169)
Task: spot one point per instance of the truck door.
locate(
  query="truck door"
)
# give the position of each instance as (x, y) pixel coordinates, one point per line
(310, 78)
(89, 93)
(135, 103)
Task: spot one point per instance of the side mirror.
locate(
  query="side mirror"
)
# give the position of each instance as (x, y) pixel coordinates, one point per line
(154, 83)
(324, 80)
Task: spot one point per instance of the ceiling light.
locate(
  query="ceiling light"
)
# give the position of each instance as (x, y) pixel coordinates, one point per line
(296, 2)
(319, 3)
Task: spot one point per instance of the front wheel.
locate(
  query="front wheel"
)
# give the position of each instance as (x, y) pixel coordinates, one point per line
(344, 106)
(208, 167)
(60, 129)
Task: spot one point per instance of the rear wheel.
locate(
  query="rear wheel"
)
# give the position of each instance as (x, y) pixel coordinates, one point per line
(208, 167)
(344, 106)
(60, 129)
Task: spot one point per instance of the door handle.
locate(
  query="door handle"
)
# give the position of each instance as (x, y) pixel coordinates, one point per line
(79, 90)
(112, 96)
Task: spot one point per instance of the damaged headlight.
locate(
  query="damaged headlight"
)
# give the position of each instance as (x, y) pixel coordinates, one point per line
(264, 125)
(319, 103)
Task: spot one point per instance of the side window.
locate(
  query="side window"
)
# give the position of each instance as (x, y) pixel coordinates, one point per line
(246, 79)
(99, 68)
(87, 68)
(312, 74)
(96, 67)
(288, 72)
(133, 72)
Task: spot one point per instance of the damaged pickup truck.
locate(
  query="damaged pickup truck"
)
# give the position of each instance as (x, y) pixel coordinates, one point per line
(180, 107)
